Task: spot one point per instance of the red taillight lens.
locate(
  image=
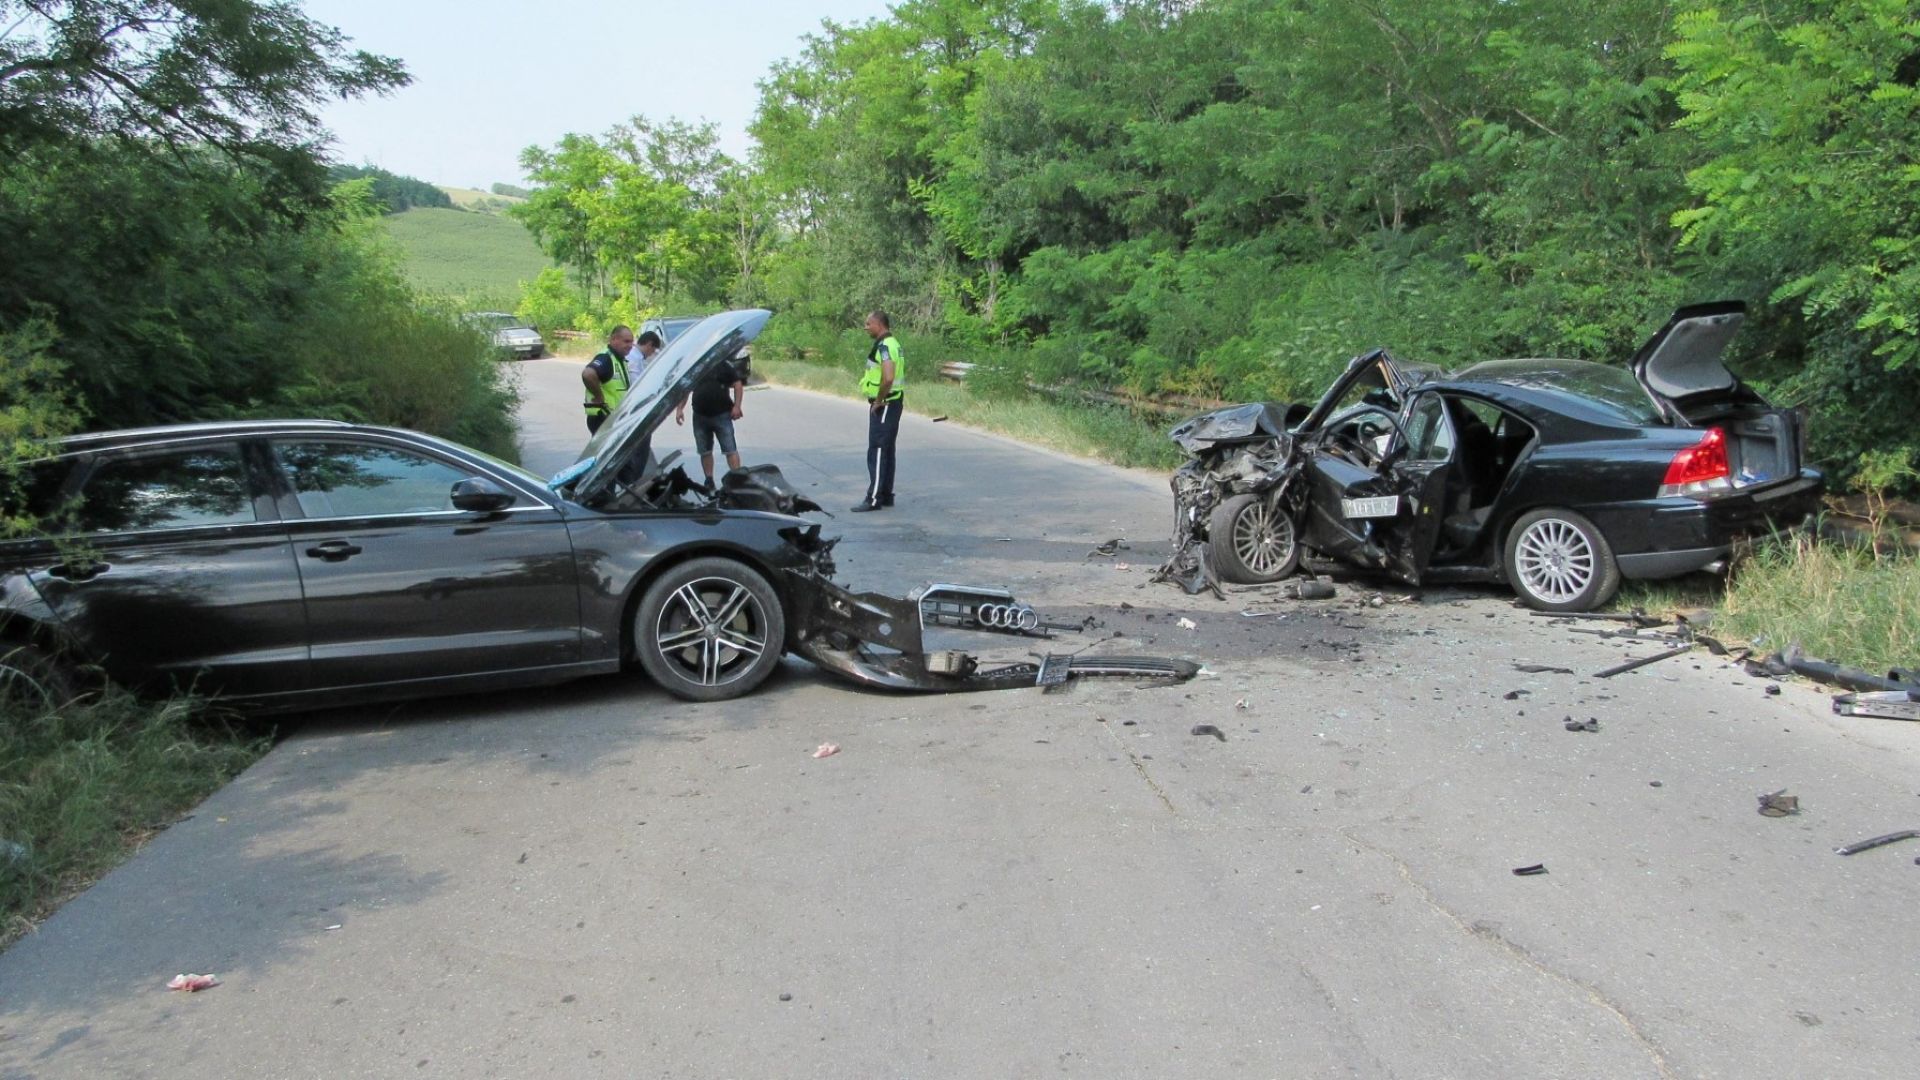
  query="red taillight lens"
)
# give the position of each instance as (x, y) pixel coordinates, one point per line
(1700, 469)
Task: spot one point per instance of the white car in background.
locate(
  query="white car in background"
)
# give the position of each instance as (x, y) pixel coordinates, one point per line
(511, 334)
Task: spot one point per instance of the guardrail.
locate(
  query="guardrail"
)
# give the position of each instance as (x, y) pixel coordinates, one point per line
(1168, 405)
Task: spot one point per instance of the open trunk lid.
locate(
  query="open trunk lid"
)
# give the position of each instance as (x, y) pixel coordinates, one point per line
(1682, 368)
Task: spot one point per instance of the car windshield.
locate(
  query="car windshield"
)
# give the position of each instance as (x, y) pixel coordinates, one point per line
(673, 328)
(1612, 389)
(498, 321)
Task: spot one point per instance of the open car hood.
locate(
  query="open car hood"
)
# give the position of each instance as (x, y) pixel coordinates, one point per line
(1682, 362)
(618, 452)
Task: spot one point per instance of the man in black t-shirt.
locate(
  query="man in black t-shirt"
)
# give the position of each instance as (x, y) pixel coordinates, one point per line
(716, 405)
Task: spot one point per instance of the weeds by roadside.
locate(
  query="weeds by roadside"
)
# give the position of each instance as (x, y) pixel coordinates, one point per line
(1106, 433)
(84, 786)
(1840, 602)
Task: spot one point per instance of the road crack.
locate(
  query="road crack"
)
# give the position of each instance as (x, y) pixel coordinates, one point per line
(1140, 767)
(1488, 934)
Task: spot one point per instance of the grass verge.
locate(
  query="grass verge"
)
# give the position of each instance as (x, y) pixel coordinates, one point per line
(81, 788)
(1840, 602)
(1106, 433)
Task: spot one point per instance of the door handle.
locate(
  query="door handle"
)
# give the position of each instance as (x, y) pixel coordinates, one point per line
(333, 551)
(78, 571)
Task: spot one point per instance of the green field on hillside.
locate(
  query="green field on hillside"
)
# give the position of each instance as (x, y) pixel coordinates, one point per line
(474, 199)
(453, 251)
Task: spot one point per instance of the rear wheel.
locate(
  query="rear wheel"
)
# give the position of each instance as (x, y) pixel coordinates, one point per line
(1558, 561)
(1253, 541)
(31, 678)
(709, 629)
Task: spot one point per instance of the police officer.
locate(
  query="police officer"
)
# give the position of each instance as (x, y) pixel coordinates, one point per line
(881, 386)
(606, 378)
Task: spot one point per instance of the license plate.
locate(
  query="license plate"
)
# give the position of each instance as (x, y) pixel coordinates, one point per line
(1379, 507)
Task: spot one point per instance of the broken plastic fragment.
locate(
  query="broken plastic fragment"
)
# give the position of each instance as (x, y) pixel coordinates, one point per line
(192, 983)
(826, 749)
(1779, 804)
(1187, 624)
(1530, 871)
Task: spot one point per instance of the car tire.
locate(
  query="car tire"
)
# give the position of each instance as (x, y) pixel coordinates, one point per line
(709, 629)
(1558, 561)
(1251, 541)
(32, 678)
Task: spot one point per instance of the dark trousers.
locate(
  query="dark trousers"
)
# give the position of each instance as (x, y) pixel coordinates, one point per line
(594, 420)
(883, 430)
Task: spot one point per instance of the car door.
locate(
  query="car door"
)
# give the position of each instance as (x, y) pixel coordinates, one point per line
(400, 585)
(1382, 510)
(176, 574)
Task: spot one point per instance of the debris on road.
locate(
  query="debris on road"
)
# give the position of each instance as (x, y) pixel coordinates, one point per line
(1530, 871)
(1773, 689)
(193, 984)
(1637, 616)
(1542, 669)
(1591, 723)
(1241, 704)
(1249, 613)
(1779, 804)
(1883, 704)
(1793, 660)
(1187, 624)
(1621, 669)
(1878, 841)
(1110, 548)
(1515, 695)
(789, 997)
(938, 420)
(1209, 729)
(826, 750)
(1312, 590)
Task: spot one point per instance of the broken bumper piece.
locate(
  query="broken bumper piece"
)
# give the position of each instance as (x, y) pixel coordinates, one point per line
(877, 640)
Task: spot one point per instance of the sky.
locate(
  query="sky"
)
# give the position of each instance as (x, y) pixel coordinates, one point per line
(491, 77)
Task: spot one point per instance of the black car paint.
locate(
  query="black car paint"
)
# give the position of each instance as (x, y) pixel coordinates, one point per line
(1583, 456)
(266, 614)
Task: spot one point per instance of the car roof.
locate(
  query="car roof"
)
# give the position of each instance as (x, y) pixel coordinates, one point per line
(1504, 382)
(107, 440)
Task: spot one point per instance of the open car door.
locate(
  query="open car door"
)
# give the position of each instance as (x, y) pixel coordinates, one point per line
(1377, 486)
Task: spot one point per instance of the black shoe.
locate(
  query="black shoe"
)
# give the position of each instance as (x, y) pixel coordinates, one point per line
(865, 507)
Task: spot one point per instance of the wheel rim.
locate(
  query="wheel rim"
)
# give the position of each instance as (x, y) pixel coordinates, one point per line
(1555, 560)
(1262, 538)
(711, 630)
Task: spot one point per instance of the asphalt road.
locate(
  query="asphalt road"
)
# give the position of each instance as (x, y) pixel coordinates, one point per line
(601, 881)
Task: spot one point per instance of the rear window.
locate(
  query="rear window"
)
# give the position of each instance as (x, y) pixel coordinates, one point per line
(177, 490)
(1613, 390)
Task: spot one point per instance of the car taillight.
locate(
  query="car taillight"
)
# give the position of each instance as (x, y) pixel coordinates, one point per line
(1700, 469)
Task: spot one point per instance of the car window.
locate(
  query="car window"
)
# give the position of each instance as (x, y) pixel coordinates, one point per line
(1429, 434)
(1613, 390)
(182, 489)
(335, 480)
(30, 493)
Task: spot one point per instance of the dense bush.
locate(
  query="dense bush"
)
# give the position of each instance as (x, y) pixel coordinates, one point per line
(1231, 198)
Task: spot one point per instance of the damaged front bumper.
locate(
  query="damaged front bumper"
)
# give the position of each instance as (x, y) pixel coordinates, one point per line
(879, 641)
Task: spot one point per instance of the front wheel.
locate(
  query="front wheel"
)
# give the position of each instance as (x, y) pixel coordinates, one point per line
(1558, 561)
(709, 629)
(1253, 541)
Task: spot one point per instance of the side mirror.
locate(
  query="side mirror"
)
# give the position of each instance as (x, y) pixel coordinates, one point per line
(480, 495)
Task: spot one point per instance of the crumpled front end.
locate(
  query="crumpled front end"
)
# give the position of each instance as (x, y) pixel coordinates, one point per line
(1252, 461)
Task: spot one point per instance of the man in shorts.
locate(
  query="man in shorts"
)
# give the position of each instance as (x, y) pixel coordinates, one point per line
(716, 405)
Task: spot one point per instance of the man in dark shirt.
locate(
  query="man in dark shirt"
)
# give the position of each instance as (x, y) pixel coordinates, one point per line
(716, 405)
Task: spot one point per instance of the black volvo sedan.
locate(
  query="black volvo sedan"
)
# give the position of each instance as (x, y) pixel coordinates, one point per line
(1560, 477)
(299, 563)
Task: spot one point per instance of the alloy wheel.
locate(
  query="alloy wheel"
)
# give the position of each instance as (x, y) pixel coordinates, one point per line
(712, 629)
(1555, 560)
(1263, 538)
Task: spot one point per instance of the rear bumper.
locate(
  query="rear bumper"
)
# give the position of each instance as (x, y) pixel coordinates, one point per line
(1661, 538)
